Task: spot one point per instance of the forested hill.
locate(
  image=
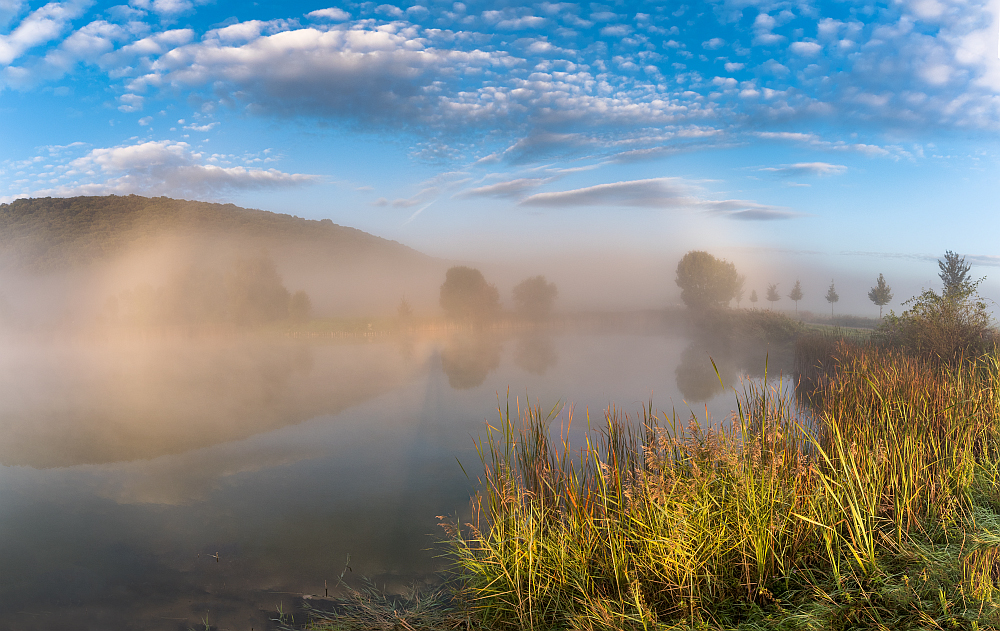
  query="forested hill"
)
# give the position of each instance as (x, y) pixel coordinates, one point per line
(53, 234)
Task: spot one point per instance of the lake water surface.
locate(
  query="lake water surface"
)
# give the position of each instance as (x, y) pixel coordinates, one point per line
(162, 484)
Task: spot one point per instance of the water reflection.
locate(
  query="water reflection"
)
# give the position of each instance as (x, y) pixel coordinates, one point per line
(469, 356)
(696, 375)
(146, 458)
(63, 405)
(535, 353)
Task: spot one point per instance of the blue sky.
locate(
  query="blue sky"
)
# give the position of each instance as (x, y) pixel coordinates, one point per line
(799, 139)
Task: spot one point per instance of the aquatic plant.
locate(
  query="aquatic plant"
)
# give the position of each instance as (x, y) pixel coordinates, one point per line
(879, 507)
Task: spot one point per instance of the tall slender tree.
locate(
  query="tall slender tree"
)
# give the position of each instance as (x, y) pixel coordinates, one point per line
(753, 297)
(955, 276)
(881, 294)
(796, 295)
(832, 296)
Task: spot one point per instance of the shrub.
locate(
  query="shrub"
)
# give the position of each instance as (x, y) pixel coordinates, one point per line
(948, 326)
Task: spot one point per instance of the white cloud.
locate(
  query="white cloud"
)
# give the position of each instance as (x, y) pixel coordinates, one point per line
(390, 10)
(162, 168)
(510, 188)
(130, 102)
(39, 27)
(807, 168)
(333, 13)
(714, 44)
(806, 49)
(666, 193)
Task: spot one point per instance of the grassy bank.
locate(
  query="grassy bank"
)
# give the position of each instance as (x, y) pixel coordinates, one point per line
(880, 508)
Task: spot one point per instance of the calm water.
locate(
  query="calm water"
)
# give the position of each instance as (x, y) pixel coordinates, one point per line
(126, 468)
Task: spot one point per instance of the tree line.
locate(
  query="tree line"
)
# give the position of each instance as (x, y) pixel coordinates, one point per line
(466, 295)
(707, 282)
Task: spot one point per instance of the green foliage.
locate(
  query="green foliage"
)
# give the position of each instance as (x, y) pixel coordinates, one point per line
(954, 275)
(796, 294)
(466, 295)
(880, 294)
(705, 281)
(51, 234)
(880, 511)
(947, 328)
(832, 296)
(533, 297)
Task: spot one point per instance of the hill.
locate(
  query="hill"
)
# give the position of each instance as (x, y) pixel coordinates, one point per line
(55, 234)
(65, 258)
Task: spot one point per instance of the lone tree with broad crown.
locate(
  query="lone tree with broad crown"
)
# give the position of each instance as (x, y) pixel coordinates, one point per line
(533, 297)
(705, 281)
(881, 294)
(466, 295)
(832, 296)
(796, 295)
(772, 294)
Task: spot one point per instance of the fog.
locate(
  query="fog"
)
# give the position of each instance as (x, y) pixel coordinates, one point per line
(181, 431)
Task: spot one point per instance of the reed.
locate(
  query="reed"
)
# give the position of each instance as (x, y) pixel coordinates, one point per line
(878, 506)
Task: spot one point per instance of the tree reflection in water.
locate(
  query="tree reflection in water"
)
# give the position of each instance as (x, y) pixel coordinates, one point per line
(468, 357)
(696, 377)
(535, 353)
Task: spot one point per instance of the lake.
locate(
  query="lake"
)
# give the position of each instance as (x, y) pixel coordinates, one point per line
(160, 484)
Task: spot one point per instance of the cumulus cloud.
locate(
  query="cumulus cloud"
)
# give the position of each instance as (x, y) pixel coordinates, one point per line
(39, 27)
(919, 63)
(667, 193)
(333, 13)
(376, 76)
(161, 168)
(807, 168)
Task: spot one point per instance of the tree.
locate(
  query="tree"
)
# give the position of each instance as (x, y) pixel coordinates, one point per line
(533, 297)
(705, 281)
(753, 297)
(880, 294)
(954, 275)
(832, 296)
(741, 290)
(404, 311)
(465, 294)
(255, 292)
(953, 325)
(772, 294)
(796, 295)
(299, 307)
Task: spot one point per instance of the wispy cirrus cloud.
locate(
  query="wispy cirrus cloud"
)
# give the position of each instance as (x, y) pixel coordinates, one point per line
(666, 193)
(510, 188)
(807, 168)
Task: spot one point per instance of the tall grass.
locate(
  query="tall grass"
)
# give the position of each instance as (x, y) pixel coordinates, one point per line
(877, 508)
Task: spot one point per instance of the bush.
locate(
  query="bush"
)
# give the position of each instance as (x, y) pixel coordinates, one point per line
(948, 327)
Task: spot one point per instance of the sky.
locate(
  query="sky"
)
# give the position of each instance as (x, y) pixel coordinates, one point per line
(827, 141)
